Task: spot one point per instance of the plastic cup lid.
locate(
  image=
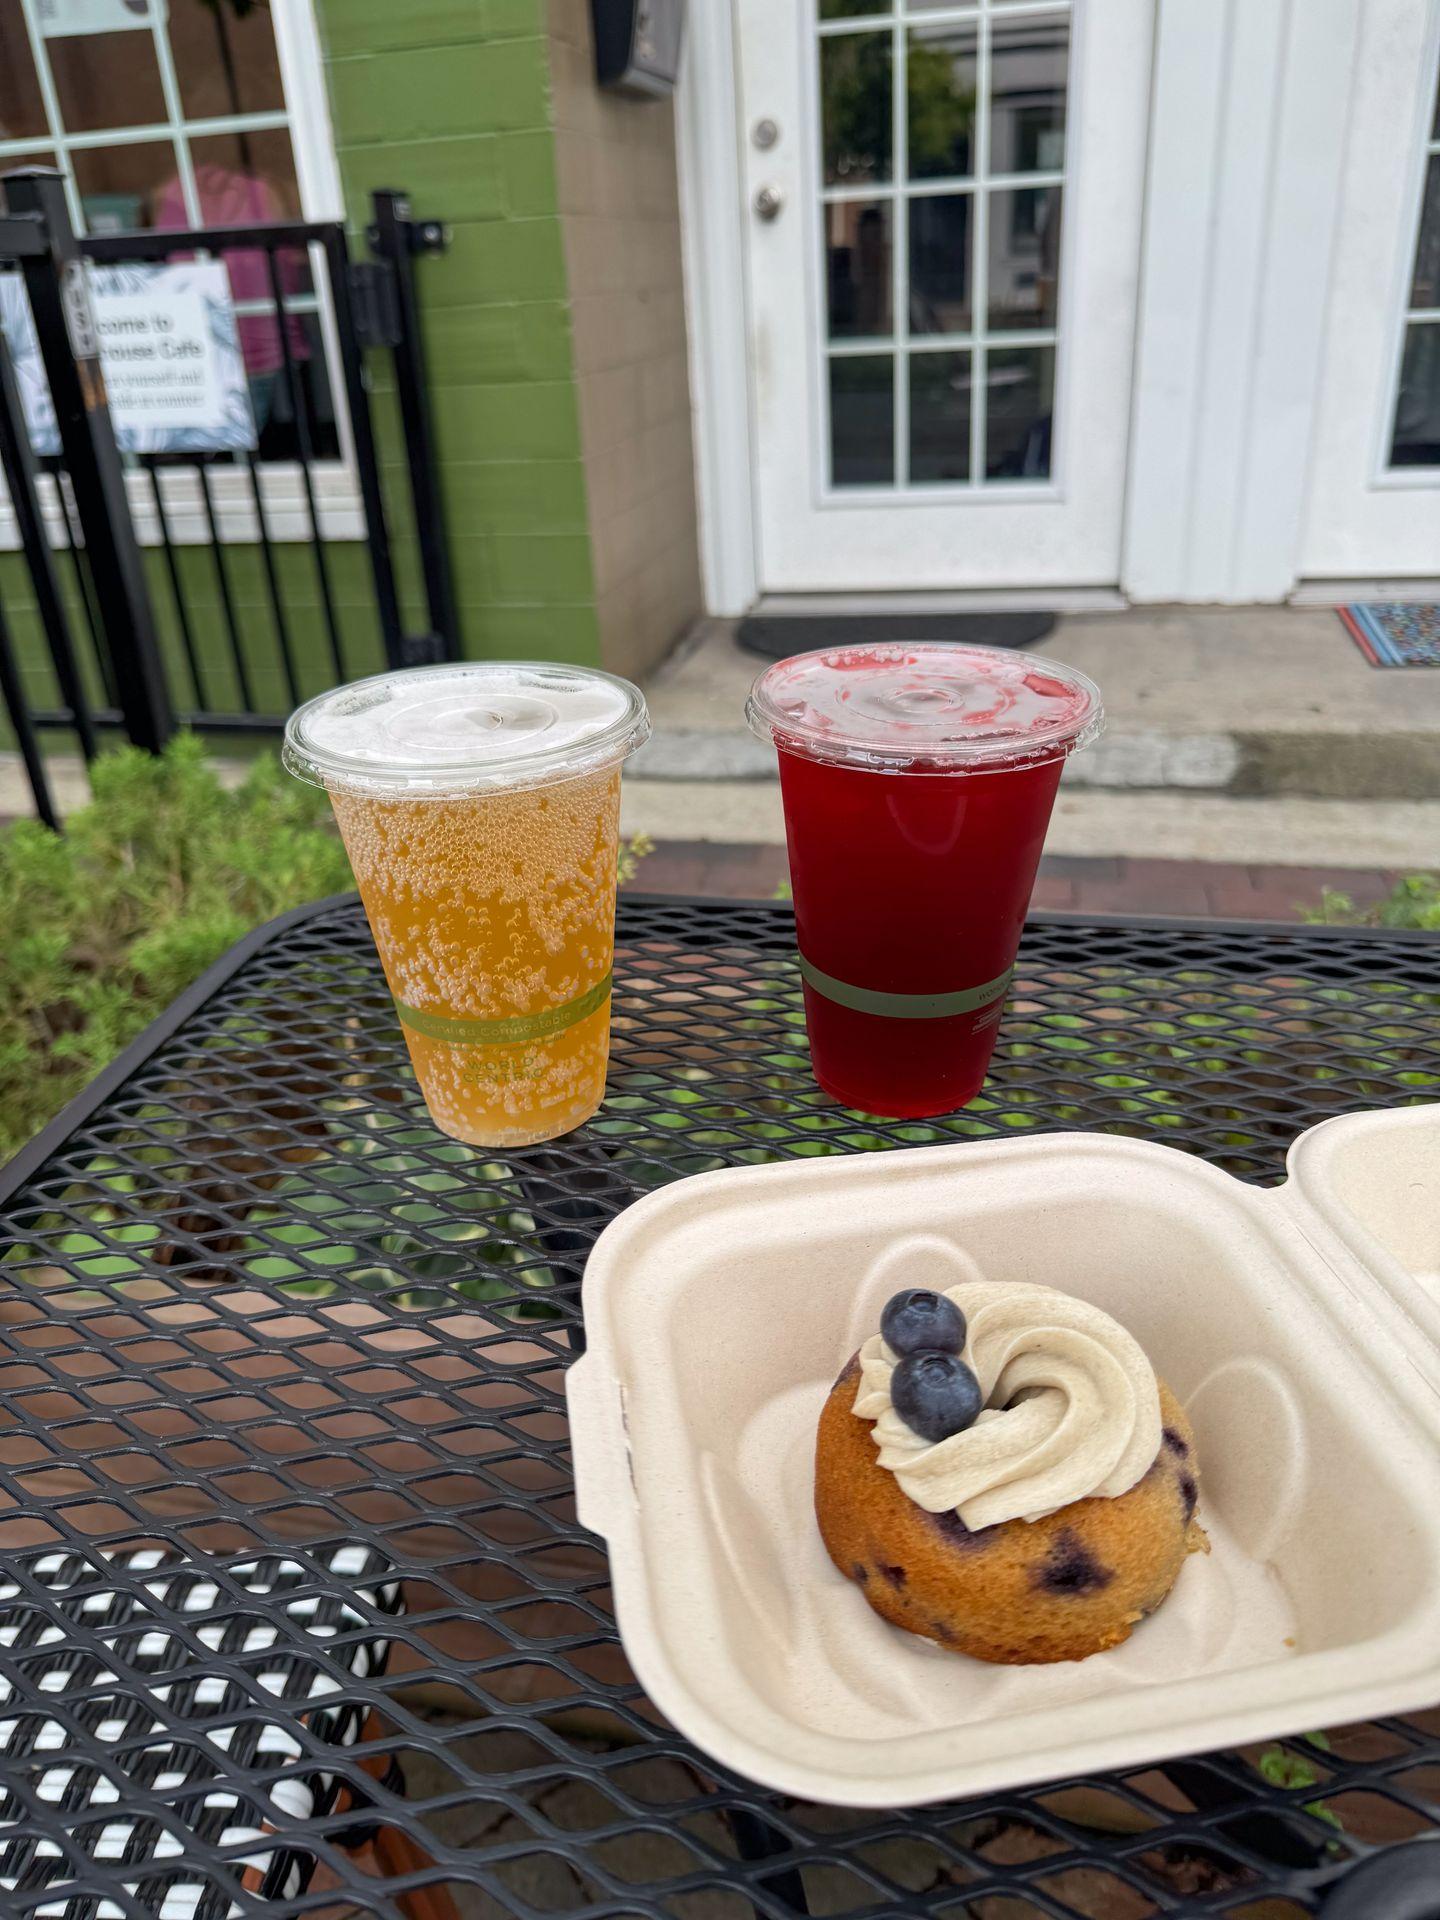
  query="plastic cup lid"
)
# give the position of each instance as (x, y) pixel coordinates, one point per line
(477, 726)
(925, 708)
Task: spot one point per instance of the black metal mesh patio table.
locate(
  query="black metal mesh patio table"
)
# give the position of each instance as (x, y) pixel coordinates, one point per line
(261, 1325)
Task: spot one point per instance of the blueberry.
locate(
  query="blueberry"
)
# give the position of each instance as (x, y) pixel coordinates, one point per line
(935, 1394)
(918, 1321)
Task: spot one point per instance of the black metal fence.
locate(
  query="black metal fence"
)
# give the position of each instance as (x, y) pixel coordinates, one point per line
(217, 590)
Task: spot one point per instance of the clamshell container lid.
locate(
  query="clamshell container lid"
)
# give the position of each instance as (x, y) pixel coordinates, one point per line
(720, 1309)
(925, 707)
(475, 727)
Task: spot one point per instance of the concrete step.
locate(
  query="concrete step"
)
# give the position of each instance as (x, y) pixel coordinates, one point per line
(1318, 765)
(1247, 702)
(1391, 834)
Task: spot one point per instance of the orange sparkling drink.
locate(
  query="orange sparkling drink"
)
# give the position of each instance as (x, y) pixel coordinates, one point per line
(483, 827)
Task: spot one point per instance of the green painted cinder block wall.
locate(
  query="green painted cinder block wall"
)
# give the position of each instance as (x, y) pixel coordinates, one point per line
(449, 100)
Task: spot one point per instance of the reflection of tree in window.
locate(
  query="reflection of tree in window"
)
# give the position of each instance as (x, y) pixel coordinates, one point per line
(941, 100)
(856, 107)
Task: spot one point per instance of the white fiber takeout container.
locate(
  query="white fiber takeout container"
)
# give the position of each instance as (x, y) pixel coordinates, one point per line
(1300, 1326)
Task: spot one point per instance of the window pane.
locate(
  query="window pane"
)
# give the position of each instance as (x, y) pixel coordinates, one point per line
(857, 267)
(270, 389)
(248, 179)
(862, 421)
(244, 178)
(1416, 441)
(941, 78)
(1029, 60)
(107, 80)
(125, 186)
(1024, 257)
(1425, 289)
(22, 112)
(849, 9)
(856, 107)
(940, 392)
(941, 240)
(225, 58)
(1019, 411)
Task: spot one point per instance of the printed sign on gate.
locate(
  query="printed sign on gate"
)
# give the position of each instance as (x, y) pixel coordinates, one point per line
(169, 349)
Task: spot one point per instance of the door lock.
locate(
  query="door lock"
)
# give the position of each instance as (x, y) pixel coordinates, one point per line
(768, 202)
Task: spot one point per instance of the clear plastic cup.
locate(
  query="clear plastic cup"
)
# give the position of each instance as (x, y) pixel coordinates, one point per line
(480, 807)
(918, 782)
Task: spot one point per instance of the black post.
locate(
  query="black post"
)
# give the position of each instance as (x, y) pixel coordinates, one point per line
(17, 461)
(394, 237)
(59, 293)
(362, 432)
(12, 693)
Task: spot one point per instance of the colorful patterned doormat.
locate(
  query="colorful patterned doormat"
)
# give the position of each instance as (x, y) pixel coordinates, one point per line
(1395, 636)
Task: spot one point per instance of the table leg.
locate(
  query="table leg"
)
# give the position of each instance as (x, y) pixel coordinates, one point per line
(758, 1841)
(574, 1194)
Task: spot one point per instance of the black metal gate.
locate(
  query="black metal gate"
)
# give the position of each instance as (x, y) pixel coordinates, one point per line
(124, 643)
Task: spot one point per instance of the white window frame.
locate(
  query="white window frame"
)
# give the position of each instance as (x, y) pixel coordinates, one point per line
(306, 117)
(1423, 150)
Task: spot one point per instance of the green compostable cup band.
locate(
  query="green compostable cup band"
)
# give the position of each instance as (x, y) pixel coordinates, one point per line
(506, 1033)
(904, 1006)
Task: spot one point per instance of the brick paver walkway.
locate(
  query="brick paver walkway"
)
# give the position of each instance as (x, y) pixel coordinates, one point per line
(1209, 889)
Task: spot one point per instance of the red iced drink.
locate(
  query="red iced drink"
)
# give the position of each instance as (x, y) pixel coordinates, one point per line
(918, 783)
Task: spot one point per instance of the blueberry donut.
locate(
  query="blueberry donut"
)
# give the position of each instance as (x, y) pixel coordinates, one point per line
(1000, 1471)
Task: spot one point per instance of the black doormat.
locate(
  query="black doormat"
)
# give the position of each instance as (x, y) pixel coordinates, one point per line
(777, 635)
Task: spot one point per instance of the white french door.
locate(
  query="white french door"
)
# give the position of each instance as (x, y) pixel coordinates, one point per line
(943, 235)
(1374, 506)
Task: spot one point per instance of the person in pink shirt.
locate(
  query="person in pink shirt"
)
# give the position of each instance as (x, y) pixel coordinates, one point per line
(231, 198)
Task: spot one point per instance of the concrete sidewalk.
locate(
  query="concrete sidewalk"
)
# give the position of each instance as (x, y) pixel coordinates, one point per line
(1248, 703)
(1254, 734)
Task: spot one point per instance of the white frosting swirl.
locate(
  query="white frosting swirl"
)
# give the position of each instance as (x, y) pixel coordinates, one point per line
(1071, 1409)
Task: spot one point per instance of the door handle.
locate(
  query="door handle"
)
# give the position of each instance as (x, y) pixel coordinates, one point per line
(768, 202)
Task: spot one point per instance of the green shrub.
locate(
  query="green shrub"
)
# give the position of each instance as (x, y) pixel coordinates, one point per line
(149, 884)
(1415, 902)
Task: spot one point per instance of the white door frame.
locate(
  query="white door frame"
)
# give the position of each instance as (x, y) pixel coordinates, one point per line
(712, 215)
(1246, 156)
(1367, 518)
(1251, 111)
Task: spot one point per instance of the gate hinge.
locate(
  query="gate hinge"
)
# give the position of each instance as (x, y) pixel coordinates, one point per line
(429, 236)
(416, 236)
(376, 303)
